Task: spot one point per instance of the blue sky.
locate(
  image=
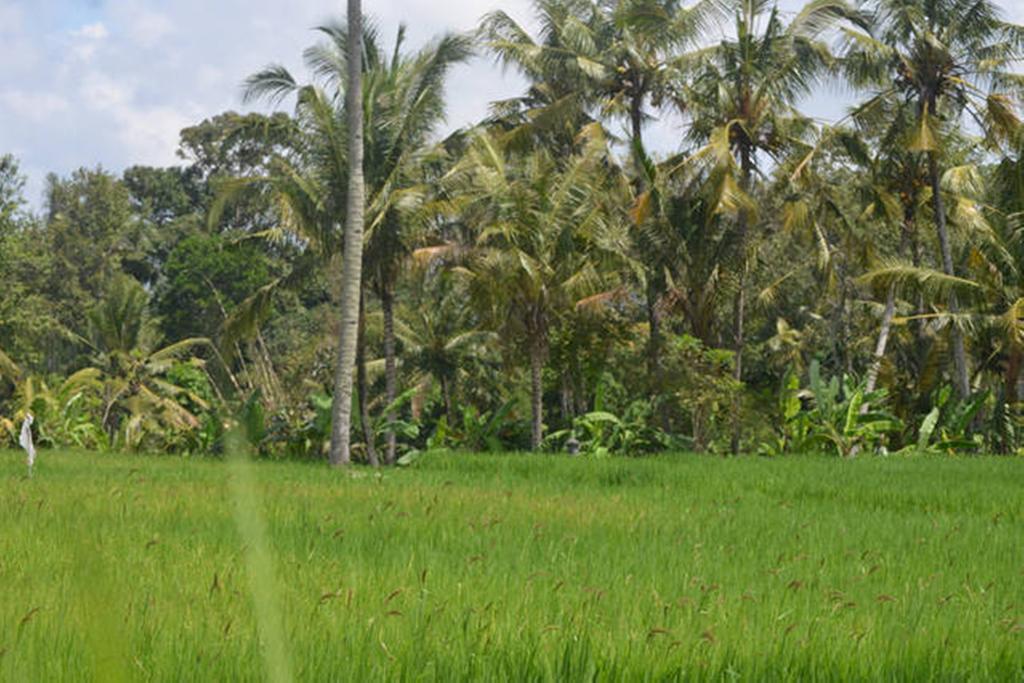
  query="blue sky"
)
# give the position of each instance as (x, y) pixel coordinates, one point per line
(112, 82)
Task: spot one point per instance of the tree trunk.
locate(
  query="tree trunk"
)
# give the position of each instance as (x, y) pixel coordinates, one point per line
(1015, 359)
(700, 431)
(1011, 380)
(739, 343)
(880, 345)
(654, 340)
(351, 285)
(387, 301)
(845, 357)
(740, 305)
(536, 393)
(636, 118)
(364, 390)
(961, 378)
(909, 240)
(446, 394)
(876, 361)
(566, 395)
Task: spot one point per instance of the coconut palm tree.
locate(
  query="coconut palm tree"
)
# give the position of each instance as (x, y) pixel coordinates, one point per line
(409, 104)
(543, 232)
(402, 103)
(355, 206)
(948, 59)
(741, 105)
(1008, 190)
(989, 279)
(606, 60)
(440, 333)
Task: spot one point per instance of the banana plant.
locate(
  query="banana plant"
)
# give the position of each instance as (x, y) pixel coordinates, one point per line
(946, 428)
(601, 433)
(827, 415)
(67, 414)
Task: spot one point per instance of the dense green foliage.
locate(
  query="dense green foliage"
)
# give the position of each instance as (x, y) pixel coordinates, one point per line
(772, 285)
(513, 568)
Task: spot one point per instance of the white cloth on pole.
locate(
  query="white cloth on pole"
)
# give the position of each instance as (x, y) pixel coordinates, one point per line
(26, 440)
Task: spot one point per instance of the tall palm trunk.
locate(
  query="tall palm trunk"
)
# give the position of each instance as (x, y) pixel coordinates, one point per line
(536, 392)
(960, 374)
(566, 395)
(636, 119)
(1014, 361)
(907, 240)
(1011, 382)
(883, 341)
(446, 394)
(362, 386)
(876, 361)
(740, 303)
(910, 236)
(387, 302)
(351, 285)
(654, 340)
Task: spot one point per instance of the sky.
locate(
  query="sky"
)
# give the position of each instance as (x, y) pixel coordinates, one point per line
(112, 82)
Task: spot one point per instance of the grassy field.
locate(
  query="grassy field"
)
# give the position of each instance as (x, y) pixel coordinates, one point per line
(512, 568)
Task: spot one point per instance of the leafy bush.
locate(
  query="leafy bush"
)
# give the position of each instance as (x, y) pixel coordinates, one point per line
(834, 414)
(947, 427)
(704, 387)
(67, 414)
(601, 433)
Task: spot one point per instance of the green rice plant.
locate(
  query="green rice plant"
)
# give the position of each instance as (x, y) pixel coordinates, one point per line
(512, 567)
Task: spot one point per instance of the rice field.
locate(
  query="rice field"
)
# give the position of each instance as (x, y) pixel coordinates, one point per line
(518, 567)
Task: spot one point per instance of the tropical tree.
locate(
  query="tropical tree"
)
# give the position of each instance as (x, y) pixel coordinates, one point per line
(138, 397)
(606, 60)
(948, 59)
(742, 106)
(402, 102)
(439, 332)
(12, 188)
(543, 234)
(352, 282)
(408, 99)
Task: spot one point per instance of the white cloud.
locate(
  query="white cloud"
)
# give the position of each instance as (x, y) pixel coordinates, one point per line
(141, 26)
(86, 41)
(11, 18)
(92, 32)
(113, 82)
(103, 93)
(33, 106)
(149, 132)
(18, 54)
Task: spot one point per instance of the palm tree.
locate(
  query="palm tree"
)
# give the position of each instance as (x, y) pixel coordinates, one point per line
(948, 59)
(1008, 188)
(605, 60)
(440, 333)
(894, 194)
(402, 103)
(137, 395)
(990, 277)
(741, 104)
(352, 273)
(543, 231)
(409, 104)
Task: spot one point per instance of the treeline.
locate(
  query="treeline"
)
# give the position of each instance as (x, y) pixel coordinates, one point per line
(543, 280)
